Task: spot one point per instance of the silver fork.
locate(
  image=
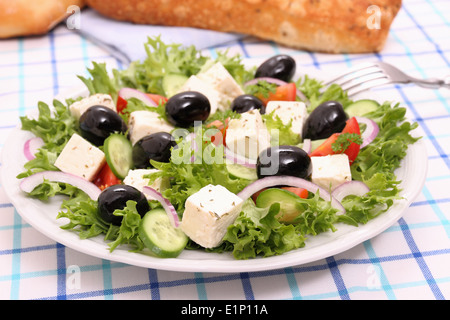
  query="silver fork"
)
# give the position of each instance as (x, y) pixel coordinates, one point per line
(369, 75)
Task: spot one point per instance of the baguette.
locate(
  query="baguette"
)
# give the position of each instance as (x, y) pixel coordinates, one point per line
(26, 18)
(316, 25)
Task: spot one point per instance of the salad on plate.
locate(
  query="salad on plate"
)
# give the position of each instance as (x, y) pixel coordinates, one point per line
(185, 152)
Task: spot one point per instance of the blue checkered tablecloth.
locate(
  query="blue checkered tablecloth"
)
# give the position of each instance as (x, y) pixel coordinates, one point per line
(411, 259)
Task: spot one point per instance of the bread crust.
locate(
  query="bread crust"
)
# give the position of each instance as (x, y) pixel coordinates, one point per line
(25, 18)
(316, 25)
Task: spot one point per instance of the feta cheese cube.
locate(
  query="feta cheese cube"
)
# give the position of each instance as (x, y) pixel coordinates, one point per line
(143, 123)
(208, 213)
(79, 107)
(248, 136)
(222, 81)
(135, 178)
(330, 171)
(288, 111)
(79, 157)
(194, 83)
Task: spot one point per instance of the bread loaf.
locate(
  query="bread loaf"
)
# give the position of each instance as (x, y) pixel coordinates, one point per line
(24, 17)
(344, 26)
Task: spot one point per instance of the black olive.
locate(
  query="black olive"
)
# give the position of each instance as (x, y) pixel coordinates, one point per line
(283, 161)
(328, 118)
(116, 197)
(247, 102)
(98, 122)
(184, 108)
(280, 66)
(156, 146)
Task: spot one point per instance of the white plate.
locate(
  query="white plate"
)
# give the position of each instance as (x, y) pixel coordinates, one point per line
(42, 217)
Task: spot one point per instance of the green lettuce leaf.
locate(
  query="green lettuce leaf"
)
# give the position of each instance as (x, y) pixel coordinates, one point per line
(280, 134)
(55, 127)
(256, 232)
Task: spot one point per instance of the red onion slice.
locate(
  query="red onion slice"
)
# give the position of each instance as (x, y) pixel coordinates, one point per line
(31, 146)
(357, 188)
(371, 131)
(128, 93)
(168, 207)
(239, 159)
(31, 182)
(273, 181)
(307, 146)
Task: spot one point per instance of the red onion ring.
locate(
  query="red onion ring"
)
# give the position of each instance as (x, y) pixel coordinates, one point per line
(357, 188)
(371, 131)
(307, 145)
(31, 146)
(31, 182)
(128, 93)
(272, 181)
(238, 159)
(168, 207)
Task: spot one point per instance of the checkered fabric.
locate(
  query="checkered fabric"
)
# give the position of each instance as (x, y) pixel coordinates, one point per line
(410, 260)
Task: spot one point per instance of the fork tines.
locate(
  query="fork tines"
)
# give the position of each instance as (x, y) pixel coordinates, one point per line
(361, 78)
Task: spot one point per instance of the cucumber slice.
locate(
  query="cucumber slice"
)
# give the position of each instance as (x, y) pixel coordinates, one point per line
(119, 154)
(172, 83)
(241, 172)
(361, 107)
(288, 203)
(158, 234)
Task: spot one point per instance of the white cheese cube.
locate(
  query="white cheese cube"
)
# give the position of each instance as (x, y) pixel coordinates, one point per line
(194, 83)
(330, 171)
(248, 136)
(208, 213)
(143, 123)
(222, 81)
(79, 107)
(288, 111)
(79, 157)
(135, 178)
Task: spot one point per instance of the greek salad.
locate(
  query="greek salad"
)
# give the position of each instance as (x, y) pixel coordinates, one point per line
(182, 151)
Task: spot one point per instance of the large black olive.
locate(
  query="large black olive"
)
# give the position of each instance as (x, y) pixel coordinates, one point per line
(116, 197)
(283, 161)
(328, 118)
(156, 146)
(247, 102)
(280, 66)
(184, 108)
(98, 122)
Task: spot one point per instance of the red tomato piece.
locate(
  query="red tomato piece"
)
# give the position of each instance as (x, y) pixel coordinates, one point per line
(301, 192)
(121, 104)
(286, 92)
(106, 178)
(221, 135)
(352, 151)
(157, 98)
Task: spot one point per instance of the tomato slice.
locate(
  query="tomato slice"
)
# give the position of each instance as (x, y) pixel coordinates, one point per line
(106, 178)
(286, 92)
(352, 151)
(121, 104)
(220, 136)
(157, 98)
(302, 193)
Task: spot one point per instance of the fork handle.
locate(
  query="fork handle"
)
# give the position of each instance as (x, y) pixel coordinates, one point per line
(433, 83)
